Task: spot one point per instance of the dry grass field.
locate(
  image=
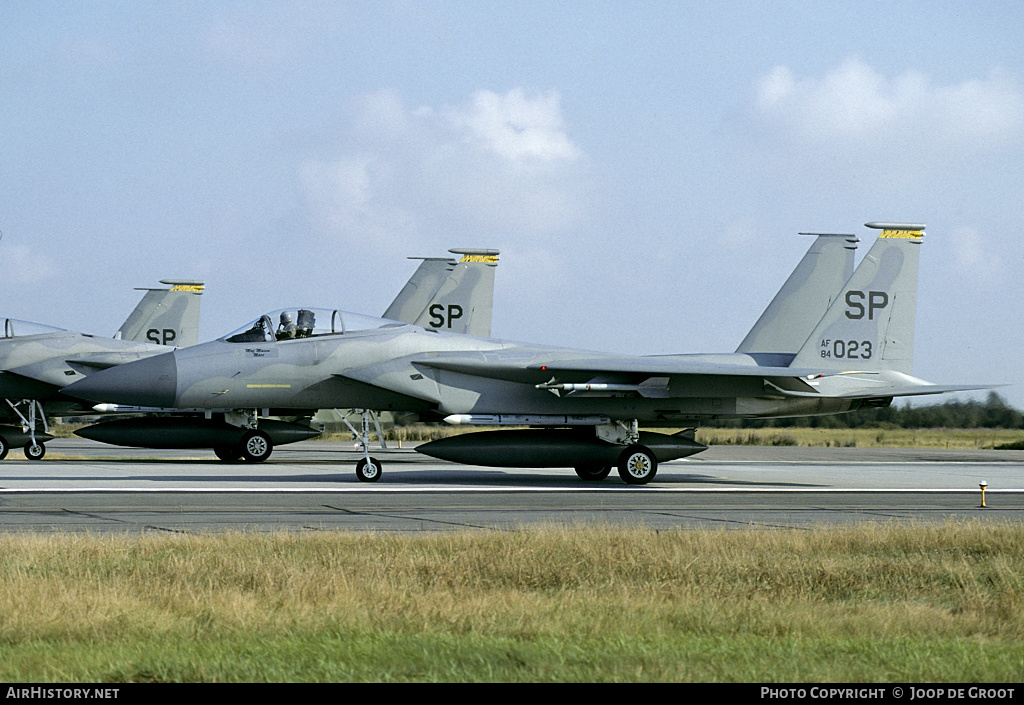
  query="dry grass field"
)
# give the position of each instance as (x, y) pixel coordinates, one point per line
(960, 438)
(872, 603)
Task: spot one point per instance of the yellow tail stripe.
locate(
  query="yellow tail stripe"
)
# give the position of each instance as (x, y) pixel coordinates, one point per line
(904, 234)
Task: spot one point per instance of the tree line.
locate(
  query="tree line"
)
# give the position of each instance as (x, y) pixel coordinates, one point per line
(994, 412)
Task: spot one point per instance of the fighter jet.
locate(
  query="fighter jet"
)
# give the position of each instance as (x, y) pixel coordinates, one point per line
(585, 407)
(444, 294)
(37, 360)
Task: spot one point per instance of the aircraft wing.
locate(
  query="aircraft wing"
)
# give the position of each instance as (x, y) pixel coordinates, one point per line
(644, 375)
(650, 366)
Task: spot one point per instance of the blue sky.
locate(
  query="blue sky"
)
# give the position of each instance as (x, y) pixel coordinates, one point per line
(643, 167)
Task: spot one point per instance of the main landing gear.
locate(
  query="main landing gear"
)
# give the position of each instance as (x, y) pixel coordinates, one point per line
(636, 463)
(33, 432)
(254, 447)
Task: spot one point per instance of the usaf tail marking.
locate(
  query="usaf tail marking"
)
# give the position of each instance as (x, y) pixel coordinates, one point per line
(438, 318)
(855, 308)
(169, 335)
(847, 349)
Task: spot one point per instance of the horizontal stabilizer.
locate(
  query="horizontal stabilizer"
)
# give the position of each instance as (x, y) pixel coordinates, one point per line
(871, 392)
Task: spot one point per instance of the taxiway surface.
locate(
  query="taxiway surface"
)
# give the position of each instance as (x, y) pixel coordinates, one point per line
(310, 486)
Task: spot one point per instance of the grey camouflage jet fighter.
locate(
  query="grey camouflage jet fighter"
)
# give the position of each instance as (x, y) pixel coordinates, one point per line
(447, 294)
(37, 360)
(585, 407)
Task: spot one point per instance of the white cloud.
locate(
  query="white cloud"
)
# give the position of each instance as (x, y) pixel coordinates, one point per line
(496, 163)
(855, 103)
(20, 266)
(973, 258)
(515, 126)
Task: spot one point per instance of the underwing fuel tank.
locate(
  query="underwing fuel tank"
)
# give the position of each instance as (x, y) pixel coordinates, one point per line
(178, 432)
(16, 436)
(550, 448)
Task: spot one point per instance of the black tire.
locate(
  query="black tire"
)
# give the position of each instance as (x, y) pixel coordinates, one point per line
(5, 447)
(637, 465)
(229, 454)
(369, 471)
(35, 451)
(256, 447)
(593, 473)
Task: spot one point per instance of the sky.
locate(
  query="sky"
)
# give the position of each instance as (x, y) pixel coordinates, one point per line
(643, 167)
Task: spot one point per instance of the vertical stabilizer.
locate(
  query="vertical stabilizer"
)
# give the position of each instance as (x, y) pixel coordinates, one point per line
(801, 302)
(425, 282)
(166, 316)
(447, 295)
(871, 325)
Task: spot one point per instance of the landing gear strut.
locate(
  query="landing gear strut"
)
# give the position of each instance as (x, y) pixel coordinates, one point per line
(34, 449)
(637, 465)
(367, 469)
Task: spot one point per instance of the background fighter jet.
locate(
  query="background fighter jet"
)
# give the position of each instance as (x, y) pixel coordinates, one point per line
(36, 361)
(445, 294)
(587, 406)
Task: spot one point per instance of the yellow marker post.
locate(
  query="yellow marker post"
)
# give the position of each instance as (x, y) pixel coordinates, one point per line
(982, 485)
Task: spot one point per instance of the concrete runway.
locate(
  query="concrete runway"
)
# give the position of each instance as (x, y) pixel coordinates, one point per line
(310, 486)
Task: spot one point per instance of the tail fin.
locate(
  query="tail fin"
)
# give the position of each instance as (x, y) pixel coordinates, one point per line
(414, 297)
(166, 316)
(801, 302)
(445, 294)
(871, 326)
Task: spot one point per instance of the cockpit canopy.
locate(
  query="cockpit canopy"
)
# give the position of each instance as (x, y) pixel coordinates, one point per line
(292, 323)
(13, 327)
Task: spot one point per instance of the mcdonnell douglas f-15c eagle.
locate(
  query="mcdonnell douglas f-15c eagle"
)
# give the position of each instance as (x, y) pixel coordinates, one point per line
(824, 346)
(37, 360)
(453, 295)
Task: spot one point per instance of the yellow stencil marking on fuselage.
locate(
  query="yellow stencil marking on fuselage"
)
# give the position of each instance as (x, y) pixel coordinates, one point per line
(268, 386)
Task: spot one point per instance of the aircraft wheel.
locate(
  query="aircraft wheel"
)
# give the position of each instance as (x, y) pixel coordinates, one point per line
(4, 447)
(369, 471)
(35, 451)
(256, 447)
(229, 454)
(593, 473)
(637, 465)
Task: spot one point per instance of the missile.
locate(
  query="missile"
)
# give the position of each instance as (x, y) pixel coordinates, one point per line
(123, 409)
(188, 432)
(655, 387)
(550, 448)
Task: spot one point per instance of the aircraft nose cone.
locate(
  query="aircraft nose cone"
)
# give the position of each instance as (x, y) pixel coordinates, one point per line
(152, 381)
